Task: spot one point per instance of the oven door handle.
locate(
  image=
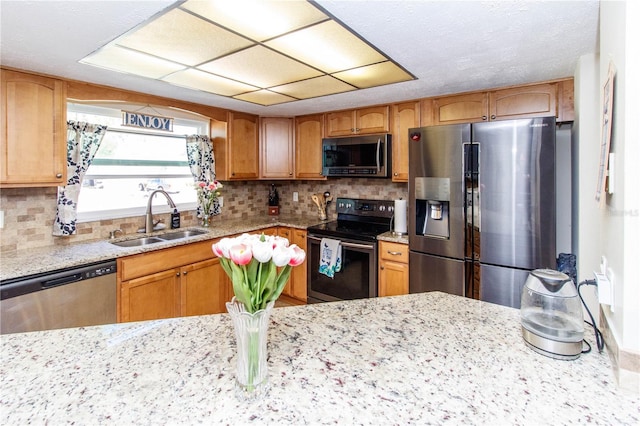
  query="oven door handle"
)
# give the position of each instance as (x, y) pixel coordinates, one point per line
(348, 245)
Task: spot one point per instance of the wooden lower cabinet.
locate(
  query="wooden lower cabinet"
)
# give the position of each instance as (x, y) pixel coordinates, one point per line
(150, 297)
(204, 288)
(191, 282)
(393, 264)
(297, 285)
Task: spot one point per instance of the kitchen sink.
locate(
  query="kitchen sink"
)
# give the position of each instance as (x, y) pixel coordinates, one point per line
(138, 242)
(181, 234)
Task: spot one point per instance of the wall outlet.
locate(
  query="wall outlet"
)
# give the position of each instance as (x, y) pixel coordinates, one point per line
(295, 196)
(1, 219)
(221, 201)
(605, 289)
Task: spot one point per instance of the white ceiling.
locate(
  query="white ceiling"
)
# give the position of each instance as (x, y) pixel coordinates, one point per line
(450, 46)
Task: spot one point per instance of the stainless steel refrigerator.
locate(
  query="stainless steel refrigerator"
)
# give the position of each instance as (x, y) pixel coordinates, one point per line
(482, 207)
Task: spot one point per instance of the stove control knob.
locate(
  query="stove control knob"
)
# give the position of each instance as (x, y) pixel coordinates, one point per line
(381, 208)
(390, 208)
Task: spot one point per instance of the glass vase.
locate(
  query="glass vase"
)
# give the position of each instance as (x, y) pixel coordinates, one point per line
(251, 349)
(206, 220)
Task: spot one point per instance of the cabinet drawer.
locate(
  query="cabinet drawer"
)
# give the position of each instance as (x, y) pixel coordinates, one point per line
(394, 251)
(148, 263)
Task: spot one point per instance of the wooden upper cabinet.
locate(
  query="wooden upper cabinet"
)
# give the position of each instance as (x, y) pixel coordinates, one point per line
(356, 122)
(308, 146)
(404, 116)
(276, 140)
(243, 146)
(467, 108)
(523, 102)
(535, 100)
(34, 131)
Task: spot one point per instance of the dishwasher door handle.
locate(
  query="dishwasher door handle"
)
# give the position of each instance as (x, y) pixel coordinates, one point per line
(62, 280)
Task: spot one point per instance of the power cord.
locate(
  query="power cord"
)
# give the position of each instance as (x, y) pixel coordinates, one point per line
(598, 334)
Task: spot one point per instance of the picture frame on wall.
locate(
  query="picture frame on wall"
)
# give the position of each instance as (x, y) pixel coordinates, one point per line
(605, 135)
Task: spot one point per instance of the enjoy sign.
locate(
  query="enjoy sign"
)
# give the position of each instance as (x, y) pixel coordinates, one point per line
(147, 121)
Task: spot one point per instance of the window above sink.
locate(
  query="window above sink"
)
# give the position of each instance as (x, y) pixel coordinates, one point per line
(130, 163)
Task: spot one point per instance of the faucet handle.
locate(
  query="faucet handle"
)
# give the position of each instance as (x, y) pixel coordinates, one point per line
(112, 234)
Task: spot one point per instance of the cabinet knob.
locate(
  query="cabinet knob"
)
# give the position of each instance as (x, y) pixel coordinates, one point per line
(493, 117)
(290, 173)
(184, 273)
(177, 274)
(484, 117)
(58, 175)
(381, 267)
(395, 173)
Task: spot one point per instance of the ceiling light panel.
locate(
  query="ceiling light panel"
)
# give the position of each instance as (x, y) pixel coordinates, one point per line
(258, 19)
(260, 67)
(327, 46)
(314, 87)
(128, 61)
(206, 82)
(184, 38)
(374, 75)
(264, 97)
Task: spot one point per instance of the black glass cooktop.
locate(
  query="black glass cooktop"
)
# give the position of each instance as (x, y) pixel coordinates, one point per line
(349, 229)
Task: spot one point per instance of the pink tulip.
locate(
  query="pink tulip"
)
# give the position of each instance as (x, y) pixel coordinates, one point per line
(297, 256)
(240, 254)
(202, 184)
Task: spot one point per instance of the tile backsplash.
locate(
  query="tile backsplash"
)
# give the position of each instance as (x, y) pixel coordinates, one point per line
(29, 212)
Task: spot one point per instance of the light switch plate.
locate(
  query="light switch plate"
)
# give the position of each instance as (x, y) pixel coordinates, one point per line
(295, 196)
(1, 219)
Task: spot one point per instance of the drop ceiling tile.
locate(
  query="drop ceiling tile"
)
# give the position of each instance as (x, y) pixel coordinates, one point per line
(374, 75)
(258, 19)
(128, 61)
(264, 97)
(184, 38)
(260, 67)
(327, 46)
(200, 80)
(314, 87)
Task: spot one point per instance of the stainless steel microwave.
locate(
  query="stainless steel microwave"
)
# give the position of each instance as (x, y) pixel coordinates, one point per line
(357, 156)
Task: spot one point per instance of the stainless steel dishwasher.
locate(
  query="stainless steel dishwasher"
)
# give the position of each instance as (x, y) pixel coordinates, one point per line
(74, 297)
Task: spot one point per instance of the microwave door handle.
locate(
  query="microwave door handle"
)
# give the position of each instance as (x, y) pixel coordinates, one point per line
(378, 155)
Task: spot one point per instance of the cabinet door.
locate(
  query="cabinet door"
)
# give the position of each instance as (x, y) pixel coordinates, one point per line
(393, 278)
(150, 297)
(522, 102)
(404, 117)
(372, 120)
(33, 134)
(243, 146)
(308, 141)
(204, 288)
(299, 273)
(340, 123)
(276, 137)
(472, 107)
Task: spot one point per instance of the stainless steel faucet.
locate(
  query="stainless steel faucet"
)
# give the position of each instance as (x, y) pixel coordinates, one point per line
(148, 224)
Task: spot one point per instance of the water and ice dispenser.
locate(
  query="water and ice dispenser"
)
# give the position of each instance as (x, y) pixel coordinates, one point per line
(432, 196)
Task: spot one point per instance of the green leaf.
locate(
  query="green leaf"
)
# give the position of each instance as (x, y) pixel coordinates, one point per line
(281, 281)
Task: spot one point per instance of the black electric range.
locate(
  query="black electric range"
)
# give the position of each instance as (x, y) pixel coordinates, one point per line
(358, 219)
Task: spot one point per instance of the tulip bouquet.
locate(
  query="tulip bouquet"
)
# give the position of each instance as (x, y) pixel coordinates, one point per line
(259, 267)
(207, 193)
(252, 262)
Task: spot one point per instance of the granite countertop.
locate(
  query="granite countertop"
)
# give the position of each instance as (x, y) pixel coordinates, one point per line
(428, 358)
(46, 259)
(392, 237)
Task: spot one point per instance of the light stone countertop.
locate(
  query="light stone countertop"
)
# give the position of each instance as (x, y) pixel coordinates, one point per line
(392, 237)
(428, 358)
(46, 259)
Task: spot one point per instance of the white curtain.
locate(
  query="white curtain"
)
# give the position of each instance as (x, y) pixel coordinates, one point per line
(83, 141)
